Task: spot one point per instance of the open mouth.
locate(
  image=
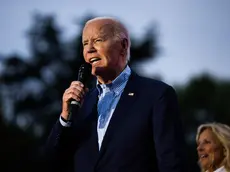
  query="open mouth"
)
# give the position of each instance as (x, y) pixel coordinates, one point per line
(202, 156)
(94, 60)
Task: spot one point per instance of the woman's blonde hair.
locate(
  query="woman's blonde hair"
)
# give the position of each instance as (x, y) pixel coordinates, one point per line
(222, 132)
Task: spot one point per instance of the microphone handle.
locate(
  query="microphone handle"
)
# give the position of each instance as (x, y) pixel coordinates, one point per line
(73, 106)
(83, 76)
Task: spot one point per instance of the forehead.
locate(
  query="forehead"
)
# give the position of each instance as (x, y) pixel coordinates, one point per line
(208, 134)
(98, 28)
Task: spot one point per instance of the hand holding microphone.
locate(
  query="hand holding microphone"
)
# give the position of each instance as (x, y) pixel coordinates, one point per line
(73, 96)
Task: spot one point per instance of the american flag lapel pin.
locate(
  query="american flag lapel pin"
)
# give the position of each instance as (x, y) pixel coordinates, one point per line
(131, 94)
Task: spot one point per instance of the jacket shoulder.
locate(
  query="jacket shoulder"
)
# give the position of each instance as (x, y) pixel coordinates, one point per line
(153, 84)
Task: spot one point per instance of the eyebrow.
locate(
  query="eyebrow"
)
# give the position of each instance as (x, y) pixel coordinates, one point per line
(206, 140)
(85, 40)
(102, 36)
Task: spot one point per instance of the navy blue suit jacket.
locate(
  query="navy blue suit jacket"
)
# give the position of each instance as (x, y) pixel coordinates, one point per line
(144, 135)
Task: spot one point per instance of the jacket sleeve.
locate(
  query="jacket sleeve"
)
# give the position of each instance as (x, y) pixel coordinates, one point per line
(168, 133)
(58, 151)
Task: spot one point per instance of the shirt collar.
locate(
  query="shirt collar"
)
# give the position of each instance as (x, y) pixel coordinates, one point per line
(221, 169)
(116, 83)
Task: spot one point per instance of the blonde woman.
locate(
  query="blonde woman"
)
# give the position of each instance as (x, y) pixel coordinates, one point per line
(213, 147)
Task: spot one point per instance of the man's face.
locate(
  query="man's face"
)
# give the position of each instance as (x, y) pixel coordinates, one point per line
(101, 49)
(210, 150)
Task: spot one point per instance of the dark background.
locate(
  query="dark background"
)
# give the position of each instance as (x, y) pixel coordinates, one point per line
(31, 92)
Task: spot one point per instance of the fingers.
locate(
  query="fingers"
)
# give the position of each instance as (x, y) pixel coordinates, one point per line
(75, 91)
(77, 83)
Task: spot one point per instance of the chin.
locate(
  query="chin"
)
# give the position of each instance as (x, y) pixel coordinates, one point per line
(203, 165)
(99, 71)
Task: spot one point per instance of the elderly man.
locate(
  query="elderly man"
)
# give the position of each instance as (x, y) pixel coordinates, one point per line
(127, 123)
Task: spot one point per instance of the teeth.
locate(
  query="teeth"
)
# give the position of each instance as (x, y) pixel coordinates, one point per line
(202, 156)
(94, 59)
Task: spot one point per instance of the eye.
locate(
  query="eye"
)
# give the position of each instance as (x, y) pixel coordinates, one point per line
(206, 142)
(98, 40)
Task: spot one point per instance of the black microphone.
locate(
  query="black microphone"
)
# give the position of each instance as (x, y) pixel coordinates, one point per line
(84, 74)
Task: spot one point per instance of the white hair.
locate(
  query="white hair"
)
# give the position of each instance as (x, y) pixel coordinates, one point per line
(120, 30)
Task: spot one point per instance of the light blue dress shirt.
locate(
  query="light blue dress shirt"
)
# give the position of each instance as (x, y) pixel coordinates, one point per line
(109, 95)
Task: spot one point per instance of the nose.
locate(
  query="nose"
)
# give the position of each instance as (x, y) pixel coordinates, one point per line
(200, 148)
(91, 48)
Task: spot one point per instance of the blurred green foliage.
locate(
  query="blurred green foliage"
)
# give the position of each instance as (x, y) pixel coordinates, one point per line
(31, 92)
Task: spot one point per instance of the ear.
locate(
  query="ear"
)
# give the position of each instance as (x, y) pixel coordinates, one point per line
(124, 45)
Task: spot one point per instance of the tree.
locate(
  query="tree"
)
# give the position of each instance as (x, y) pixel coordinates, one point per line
(34, 86)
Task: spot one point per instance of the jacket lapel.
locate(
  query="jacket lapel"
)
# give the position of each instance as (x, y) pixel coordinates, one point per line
(89, 104)
(89, 121)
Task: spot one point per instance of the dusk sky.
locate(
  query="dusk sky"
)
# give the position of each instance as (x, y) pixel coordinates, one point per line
(194, 35)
